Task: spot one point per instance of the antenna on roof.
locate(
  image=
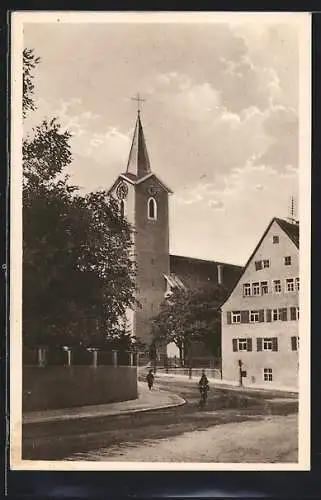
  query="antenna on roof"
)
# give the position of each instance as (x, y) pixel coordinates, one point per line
(292, 211)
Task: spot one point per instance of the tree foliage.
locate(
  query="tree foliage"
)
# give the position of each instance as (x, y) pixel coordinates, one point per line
(30, 61)
(78, 275)
(190, 316)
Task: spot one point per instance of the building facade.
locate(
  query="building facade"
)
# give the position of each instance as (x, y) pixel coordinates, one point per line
(144, 201)
(260, 319)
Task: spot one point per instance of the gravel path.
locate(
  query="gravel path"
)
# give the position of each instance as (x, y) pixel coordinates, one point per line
(272, 440)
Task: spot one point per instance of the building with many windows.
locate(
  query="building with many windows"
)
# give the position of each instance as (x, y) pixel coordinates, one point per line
(260, 319)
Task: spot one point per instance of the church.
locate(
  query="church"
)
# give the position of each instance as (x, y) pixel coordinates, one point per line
(143, 199)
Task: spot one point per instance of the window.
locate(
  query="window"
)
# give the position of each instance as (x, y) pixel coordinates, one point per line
(264, 287)
(289, 285)
(254, 316)
(236, 317)
(275, 239)
(277, 286)
(279, 314)
(267, 344)
(246, 289)
(283, 314)
(267, 374)
(297, 284)
(242, 344)
(295, 343)
(255, 288)
(287, 261)
(258, 265)
(152, 209)
(294, 313)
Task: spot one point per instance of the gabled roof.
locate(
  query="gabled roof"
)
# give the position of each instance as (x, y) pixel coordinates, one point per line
(193, 273)
(138, 162)
(291, 230)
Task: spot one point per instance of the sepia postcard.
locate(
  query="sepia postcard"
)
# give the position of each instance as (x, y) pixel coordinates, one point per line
(160, 241)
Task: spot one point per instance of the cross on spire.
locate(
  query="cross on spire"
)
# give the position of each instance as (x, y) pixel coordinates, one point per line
(139, 100)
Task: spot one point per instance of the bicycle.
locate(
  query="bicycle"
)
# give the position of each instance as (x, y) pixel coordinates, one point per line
(203, 400)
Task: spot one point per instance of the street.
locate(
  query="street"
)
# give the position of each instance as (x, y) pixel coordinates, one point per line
(236, 426)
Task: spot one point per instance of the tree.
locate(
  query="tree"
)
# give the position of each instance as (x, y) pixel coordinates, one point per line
(78, 275)
(191, 316)
(30, 61)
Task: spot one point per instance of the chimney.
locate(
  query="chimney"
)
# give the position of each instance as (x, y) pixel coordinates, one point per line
(220, 274)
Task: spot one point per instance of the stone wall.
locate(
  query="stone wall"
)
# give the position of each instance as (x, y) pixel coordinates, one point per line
(54, 387)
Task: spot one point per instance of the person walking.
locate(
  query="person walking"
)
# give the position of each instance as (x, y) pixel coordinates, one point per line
(203, 386)
(150, 379)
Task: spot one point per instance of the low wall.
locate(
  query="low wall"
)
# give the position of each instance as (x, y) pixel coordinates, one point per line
(54, 387)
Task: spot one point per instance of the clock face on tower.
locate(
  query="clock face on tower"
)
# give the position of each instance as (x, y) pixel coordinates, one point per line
(122, 191)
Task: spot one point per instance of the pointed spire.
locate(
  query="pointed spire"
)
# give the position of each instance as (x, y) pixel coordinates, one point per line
(138, 161)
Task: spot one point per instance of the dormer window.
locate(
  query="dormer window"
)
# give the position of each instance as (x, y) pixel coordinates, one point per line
(152, 209)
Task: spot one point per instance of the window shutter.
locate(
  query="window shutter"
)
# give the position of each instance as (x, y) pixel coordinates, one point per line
(269, 315)
(293, 344)
(249, 345)
(234, 342)
(293, 313)
(261, 315)
(259, 342)
(245, 316)
(229, 316)
(284, 315)
(274, 344)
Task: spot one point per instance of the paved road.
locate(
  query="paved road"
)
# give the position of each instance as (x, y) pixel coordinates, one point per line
(107, 438)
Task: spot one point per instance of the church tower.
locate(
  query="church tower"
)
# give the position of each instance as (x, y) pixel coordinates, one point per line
(143, 199)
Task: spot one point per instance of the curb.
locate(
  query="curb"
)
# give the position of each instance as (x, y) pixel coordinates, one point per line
(180, 402)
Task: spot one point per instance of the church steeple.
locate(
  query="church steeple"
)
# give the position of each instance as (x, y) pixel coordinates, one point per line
(138, 162)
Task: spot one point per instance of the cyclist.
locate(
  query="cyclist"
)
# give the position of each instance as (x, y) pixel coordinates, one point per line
(203, 386)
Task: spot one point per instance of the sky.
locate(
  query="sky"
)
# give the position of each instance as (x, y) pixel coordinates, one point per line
(220, 118)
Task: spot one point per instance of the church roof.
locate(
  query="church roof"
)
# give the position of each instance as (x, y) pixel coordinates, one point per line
(194, 273)
(138, 165)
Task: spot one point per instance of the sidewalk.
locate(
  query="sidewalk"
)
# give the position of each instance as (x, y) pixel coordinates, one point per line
(147, 400)
(226, 383)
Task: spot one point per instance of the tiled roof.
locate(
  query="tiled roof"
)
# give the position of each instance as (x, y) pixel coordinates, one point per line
(292, 229)
(194, 273)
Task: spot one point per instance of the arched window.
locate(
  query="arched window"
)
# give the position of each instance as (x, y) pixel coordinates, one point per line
(152, 209)
(122, 208)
